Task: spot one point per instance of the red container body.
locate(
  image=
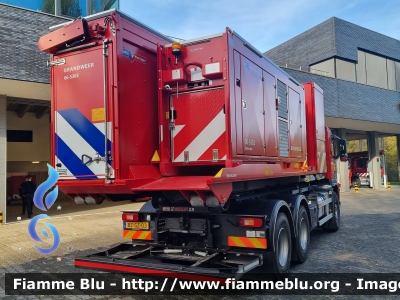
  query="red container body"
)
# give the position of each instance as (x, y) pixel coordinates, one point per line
(107, 77)
(233, 110)
(228, 115)
(201, 123)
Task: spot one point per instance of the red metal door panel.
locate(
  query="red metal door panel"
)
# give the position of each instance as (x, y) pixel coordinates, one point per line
(79, 113)
(199, 127)
(137, 106)
(271, 115)
(252, 108)
(238, 106)
(295, 124)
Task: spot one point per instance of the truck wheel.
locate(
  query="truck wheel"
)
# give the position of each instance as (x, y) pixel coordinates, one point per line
(333, 224)
(302, 241)
(283, 245)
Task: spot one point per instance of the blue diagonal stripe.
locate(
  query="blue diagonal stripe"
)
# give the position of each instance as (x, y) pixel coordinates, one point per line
(71, 161)
(90, 133)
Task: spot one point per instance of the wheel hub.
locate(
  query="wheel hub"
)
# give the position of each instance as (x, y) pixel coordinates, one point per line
(303, 234)
(283, 247)
(337, 218)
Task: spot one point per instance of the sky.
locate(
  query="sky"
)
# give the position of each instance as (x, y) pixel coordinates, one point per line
(263, 23)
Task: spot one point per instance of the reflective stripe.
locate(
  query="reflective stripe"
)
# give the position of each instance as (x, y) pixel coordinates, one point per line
(137, 234)
(86, 129)
(245, 242)
(72, 161)
(205, 139)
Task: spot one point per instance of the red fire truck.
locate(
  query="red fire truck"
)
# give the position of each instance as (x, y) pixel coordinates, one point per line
(232, 152)
(358, 168)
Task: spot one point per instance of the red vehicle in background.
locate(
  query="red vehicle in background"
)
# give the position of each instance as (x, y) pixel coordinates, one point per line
(358, 168)
(13, 184)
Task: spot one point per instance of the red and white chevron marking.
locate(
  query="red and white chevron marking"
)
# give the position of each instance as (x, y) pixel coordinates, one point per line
(199, 126)
(362, 174)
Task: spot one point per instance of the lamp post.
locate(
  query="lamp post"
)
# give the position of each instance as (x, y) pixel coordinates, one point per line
(57, 5)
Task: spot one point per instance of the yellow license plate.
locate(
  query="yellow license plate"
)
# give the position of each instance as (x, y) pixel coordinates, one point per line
(137, 225)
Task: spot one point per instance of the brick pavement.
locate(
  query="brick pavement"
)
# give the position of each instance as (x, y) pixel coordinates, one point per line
(368, 241)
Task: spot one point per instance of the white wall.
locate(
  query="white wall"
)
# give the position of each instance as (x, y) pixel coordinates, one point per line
(39, 149)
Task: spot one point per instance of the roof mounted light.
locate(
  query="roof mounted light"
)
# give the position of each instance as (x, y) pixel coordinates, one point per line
(176, 51)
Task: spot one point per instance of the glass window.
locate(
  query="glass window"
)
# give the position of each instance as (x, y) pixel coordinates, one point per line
(376, 70)
(345, 70)
(19, 136)
(96, 6)
(360, 67)
(361, 163)
(397, 67)
(391, 74)
(326, 68)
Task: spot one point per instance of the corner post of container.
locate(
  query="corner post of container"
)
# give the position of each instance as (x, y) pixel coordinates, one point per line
(106, 150)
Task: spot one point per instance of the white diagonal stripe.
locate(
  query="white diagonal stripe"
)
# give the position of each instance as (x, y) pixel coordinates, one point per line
(100, 126)
(77, 144)
(205, 139)
(177, 129)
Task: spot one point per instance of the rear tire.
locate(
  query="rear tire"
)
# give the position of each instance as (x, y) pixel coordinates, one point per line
(333, 224)
(302, 241)
(283, 245)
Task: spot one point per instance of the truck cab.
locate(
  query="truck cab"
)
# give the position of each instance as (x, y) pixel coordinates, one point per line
(359, 172)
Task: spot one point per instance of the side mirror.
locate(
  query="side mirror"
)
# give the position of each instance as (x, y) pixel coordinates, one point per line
(342, 147)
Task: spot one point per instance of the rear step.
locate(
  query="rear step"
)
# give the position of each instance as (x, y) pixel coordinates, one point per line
(160, 261)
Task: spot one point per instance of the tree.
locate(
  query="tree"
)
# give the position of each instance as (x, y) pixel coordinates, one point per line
(354, 146)
(69, 8)
(100, 5)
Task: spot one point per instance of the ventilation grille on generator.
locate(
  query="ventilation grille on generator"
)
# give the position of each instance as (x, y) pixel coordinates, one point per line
(282, 100)
(283, 139)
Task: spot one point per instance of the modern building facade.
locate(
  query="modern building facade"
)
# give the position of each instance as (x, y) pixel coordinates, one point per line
(24, 95)
(359, 71)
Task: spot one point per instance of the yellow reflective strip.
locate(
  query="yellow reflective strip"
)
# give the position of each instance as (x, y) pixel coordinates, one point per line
(219, 174)
(148, 236)
(245, 242)
(127, 234)
(143, 235)
(256, 243)
(237, 241)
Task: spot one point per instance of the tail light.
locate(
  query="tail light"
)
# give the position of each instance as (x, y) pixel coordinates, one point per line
(250, 222)
(130, 217)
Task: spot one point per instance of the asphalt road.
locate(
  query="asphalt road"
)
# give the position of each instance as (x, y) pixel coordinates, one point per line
(367, 242)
